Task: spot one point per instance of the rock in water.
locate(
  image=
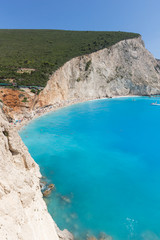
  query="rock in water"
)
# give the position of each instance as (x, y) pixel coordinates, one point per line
(66, 199)
(46, 192)
(92, 238)
(51, 186)
(104, 236)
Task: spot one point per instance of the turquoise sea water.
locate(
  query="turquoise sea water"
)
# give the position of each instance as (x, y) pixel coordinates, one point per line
(104, 159)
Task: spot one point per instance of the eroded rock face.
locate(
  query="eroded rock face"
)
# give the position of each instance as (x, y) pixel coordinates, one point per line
(23, 213)
(16, 102)
(126, 68)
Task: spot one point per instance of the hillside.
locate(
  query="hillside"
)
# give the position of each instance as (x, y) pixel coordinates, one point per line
(29, 57)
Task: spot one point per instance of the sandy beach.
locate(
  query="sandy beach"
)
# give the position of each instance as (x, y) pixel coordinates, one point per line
(51, 108)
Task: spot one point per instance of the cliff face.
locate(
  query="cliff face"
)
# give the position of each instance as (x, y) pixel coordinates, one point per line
(126, 68)
(23, 213)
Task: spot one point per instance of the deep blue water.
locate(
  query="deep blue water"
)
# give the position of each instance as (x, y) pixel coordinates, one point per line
(104, 156)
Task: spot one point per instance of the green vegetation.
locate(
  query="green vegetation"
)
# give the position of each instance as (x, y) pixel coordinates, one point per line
(24, 99)
(33, 91)
(21, 95)
(87, 65)
(5, 133)
(78, 79)
(47, 50)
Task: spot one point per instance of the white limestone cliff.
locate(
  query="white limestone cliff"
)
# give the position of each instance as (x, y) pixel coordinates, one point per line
(126, 68)
(23, 212)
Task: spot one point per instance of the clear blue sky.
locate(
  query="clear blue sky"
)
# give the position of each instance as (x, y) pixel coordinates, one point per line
(141, 16)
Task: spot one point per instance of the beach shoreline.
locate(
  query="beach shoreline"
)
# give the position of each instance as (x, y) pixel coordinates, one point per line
(41, 111)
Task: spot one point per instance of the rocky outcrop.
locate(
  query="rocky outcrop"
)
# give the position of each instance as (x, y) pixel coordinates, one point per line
(126, 68)
(23, 213)
(16, 102)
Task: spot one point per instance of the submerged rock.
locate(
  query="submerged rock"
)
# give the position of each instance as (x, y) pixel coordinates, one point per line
(66, 199)
(42, 185)
(104, 236)
(46, 189)
(43, 177)
(92, 238)
(46, 192)
(51, 186)
(74, 215)
(64, 235)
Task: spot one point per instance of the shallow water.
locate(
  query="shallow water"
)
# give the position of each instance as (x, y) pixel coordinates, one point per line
(103, 157)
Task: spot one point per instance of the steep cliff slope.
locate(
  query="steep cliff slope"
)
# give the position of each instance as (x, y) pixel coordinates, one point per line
(23, 213)
(125, 68)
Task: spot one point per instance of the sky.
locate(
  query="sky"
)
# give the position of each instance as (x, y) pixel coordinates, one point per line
(140, 16)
